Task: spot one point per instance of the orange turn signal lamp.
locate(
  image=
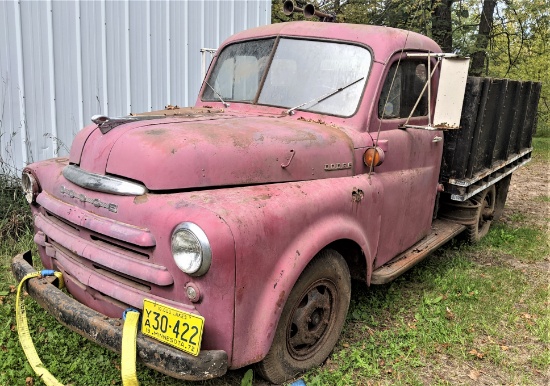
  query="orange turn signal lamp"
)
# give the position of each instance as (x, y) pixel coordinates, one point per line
(374, 156)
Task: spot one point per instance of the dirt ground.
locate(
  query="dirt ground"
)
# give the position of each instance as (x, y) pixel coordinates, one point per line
(528, 194)
(528, 203)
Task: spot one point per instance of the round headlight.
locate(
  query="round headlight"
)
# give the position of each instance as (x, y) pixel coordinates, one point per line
(29, 186)
(191, 249)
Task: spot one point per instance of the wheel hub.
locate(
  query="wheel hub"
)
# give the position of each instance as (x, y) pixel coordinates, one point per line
(311, 320)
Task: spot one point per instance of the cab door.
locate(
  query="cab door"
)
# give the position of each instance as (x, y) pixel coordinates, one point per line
(410, 171)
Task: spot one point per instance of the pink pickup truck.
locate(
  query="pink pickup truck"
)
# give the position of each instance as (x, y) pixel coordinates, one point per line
(316, 153)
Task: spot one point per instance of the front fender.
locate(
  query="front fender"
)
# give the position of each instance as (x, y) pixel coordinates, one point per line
(278, 229)
(262, 317)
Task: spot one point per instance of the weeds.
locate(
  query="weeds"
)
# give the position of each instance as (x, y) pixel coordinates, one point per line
(15, 217)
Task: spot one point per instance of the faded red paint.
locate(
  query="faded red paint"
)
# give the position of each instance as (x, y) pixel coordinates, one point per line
(254, 179)
(227, 151)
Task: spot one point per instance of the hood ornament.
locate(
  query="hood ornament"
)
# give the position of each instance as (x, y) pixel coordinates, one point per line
(107, 124)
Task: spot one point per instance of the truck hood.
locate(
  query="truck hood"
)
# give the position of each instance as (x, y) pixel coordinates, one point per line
(169, 154)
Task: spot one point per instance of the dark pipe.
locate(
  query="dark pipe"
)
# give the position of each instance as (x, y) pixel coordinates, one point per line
(310, 11)
(289, 8)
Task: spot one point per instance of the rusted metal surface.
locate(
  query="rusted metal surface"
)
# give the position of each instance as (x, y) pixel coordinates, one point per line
(459, 212)
(442, 231)
(461, 190)
(108, 286)
(409, 175)
(183, 111)
(225, 152)
(270, 231)
(100, 254)
(128, 233)
(107, 332)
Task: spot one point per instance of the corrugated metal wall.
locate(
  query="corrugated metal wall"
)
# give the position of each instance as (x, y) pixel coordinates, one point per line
(63, 61)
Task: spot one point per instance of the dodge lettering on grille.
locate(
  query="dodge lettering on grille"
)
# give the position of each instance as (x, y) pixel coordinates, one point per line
(94, 201)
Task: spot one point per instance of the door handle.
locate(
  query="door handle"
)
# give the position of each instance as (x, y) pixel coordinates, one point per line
(437, 139)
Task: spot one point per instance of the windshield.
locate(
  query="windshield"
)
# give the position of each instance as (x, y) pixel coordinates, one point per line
(317, 76)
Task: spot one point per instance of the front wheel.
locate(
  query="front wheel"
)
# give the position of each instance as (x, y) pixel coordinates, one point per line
(312, 319)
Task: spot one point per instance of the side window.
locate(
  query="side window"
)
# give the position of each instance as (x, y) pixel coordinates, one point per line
(401, 89)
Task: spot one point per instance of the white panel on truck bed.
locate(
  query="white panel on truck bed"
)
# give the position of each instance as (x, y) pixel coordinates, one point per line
(450, 95)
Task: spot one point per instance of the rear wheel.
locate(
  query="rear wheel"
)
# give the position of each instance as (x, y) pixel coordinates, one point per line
(485, 202)
(312, 319)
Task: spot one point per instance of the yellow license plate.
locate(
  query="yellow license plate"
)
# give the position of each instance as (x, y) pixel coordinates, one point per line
(177, 328)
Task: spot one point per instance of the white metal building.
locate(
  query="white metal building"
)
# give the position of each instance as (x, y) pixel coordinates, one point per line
(63, 61)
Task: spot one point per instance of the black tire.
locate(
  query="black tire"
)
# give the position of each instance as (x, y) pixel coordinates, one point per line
(485, 202)
(502, 193)
(312, 319)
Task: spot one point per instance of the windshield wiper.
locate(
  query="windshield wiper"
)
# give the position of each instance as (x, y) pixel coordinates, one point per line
(226, 105)
(323, 97)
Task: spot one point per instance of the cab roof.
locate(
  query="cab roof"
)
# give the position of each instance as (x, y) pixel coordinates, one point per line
(384, 41)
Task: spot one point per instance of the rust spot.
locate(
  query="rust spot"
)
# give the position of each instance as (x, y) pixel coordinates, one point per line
(319, 121)
(156, 132)
(141, 199)
(262, 197)
(281, 300)
(279, 278)
(181, 204)
(357, 195)
(240, 295)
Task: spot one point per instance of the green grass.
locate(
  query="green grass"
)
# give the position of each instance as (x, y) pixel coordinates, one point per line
(543, 198)
(524, 243)
(541, 151)
(543, 127)
(449, 307)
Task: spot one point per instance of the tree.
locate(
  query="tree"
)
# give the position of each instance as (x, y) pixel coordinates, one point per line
(442, 25)
(479, 57)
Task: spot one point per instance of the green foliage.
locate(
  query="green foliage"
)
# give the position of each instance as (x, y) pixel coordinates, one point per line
(520, 50)
(541, 149)
(248, 377)
(15, 217)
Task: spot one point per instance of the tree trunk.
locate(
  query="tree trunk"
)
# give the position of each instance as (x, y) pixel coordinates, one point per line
(442, 29)
(479, 56)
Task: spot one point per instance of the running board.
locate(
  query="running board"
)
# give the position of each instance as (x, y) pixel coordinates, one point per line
(442, 231)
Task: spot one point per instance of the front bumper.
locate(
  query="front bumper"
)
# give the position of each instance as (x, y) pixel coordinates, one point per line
(107, 332)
